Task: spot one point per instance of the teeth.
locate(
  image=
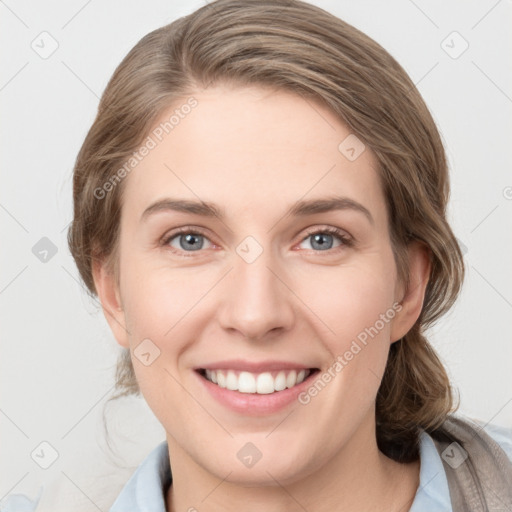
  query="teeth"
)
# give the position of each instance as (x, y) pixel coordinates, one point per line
(280, 381)
(246, 383)
(265, 384)
(291, 379)
(231, 381)
(261, 383)
(221, 379)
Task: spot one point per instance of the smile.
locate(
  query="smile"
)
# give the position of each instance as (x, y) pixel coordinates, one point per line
(262, 383)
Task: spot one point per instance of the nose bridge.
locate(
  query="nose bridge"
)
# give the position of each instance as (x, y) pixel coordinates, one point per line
(255, 301)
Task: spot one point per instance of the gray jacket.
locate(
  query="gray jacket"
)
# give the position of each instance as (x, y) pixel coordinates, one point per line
(478, 471)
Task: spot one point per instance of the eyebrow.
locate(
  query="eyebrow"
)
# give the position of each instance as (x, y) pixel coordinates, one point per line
(299, 209)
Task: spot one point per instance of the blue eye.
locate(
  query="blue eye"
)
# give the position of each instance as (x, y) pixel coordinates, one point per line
(186, 240)
(323, 239)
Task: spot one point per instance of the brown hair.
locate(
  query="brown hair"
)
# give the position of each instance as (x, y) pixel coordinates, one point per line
(300, 48)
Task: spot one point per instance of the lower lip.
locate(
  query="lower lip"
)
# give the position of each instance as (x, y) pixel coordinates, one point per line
(254, 404)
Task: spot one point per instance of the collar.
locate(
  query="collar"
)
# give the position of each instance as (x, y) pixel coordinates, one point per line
(146, 489)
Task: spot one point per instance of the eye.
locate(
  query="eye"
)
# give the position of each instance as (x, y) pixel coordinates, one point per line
(322, 240)
(187, 240)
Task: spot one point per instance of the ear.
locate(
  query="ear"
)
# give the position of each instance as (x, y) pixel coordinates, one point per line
(110, 299)
(412, 298)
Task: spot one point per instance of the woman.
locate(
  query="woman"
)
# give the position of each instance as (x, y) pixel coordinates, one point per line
(260, 206)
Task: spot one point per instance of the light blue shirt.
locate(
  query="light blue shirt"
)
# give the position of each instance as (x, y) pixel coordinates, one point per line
(146, 488)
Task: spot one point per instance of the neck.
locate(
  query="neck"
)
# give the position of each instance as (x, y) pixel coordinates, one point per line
(357, 478)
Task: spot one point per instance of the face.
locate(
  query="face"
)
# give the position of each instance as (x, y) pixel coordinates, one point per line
(281, 276)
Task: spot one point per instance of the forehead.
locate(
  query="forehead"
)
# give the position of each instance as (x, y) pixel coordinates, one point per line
(252, 148)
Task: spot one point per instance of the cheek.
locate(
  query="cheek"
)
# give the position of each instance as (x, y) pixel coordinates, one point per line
(158, 307)
(356, 303)
(156, 297)
(352, 298)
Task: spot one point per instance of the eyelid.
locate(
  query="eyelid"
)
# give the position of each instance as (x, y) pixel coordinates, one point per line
(184, 229)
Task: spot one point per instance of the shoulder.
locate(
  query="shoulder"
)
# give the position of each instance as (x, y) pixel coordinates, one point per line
(470, 430)
(486, 444)
(502, 435)
(145, 490)
(437, 454)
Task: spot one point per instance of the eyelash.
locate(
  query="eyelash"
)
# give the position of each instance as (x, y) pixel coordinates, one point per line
(345, 240)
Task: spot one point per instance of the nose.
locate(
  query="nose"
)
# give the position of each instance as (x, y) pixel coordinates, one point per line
(256, 301)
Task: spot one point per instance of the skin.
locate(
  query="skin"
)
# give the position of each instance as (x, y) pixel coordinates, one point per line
(255, 152)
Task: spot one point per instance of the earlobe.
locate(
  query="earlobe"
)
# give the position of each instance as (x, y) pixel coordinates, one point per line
(413, 298)
(110, 299)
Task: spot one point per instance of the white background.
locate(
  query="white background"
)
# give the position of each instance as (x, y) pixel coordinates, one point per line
(58, 356)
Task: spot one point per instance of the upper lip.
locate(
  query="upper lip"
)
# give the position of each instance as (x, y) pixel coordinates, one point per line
(253, 366)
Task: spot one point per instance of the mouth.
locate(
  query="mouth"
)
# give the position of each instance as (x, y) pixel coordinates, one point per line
(262, 383)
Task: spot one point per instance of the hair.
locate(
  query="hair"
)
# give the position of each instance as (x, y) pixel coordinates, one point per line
(298, 48)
